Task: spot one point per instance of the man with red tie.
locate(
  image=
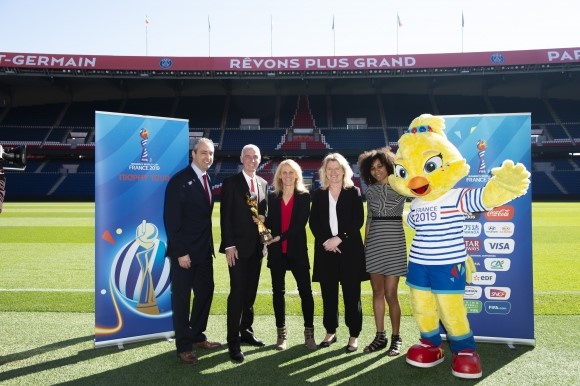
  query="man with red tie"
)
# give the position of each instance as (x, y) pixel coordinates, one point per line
(187, 217)
(243, 249)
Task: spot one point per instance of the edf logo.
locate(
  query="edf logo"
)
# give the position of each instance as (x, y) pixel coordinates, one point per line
(483, 278)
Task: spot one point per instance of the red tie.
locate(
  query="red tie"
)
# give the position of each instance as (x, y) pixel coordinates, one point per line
(206, 188)
(252, 186)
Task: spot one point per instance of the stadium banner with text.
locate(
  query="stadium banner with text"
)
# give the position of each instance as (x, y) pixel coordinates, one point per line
(135, 156)
(499, 300)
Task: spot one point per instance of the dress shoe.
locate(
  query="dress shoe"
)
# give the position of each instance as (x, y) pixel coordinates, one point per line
(207, 345)
(351, 347)
(236, 354)
(251, 340)
(325, 343)
(187, 357)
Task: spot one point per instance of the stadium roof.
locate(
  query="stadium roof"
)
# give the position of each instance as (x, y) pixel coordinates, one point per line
(561, 58)
(34, 78)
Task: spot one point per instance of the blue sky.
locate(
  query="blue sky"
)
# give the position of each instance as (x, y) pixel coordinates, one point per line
(284, 28)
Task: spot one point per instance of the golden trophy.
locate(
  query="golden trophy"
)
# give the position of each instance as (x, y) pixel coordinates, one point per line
(252, 202)
(146, 236)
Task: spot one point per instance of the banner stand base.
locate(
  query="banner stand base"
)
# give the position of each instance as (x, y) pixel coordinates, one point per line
(510, 342)
(168, 335)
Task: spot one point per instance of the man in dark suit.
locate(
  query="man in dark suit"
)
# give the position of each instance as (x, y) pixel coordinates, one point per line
(244, 251)
(187, 217)
(2, 179)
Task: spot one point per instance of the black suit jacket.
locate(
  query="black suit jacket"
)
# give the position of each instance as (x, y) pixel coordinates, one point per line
(296, 233)
(237, 227)
(187, 217)
(350, 263)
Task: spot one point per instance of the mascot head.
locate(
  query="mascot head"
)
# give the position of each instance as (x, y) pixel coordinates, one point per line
(427, 164)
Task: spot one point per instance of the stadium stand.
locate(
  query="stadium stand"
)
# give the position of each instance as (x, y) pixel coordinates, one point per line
(303, 117)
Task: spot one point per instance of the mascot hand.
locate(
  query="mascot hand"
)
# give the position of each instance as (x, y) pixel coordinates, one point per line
(509, 181)
(469, 269)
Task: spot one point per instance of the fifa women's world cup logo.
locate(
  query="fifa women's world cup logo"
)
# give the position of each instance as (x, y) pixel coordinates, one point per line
(146, 236)
(144, 134)
(140, 271)
(481, 146)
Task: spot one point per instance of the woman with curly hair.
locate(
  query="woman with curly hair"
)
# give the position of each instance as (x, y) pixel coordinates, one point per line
(385, 246)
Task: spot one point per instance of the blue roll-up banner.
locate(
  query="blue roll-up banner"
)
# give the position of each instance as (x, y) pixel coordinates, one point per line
(135, 156)
(499, 300)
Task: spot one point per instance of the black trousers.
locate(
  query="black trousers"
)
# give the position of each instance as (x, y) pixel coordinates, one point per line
(244, 278)
(189, 326)
(301, 274)
(351, 291)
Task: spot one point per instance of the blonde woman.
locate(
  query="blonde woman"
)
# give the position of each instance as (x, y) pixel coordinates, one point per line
(336, 217)
(288, 212)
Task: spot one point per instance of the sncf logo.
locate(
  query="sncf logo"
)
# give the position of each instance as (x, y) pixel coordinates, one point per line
(501, 213)
(498, 293)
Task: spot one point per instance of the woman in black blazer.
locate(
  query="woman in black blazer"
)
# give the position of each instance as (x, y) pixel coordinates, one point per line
(288, 211)
(336, 217)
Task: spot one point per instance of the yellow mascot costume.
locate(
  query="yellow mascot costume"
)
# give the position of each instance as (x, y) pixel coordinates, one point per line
(427, 167)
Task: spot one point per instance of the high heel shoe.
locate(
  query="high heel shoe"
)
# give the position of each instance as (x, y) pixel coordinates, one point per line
(309, 338)
(396, 345)
(282, 338)
(379, 343)
(326, 343)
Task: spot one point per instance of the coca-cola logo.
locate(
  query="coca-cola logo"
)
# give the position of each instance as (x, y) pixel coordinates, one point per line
(501, 213)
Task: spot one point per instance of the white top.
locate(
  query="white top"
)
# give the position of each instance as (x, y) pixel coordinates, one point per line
(332, 214)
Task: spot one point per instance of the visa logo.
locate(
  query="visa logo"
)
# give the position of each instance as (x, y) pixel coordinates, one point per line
(499, 246)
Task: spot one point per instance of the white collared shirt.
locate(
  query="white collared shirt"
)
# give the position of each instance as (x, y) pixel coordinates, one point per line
(199, 175)
(248, 181)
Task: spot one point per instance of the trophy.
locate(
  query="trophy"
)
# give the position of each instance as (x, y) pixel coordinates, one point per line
(146, 236)
(252, 202)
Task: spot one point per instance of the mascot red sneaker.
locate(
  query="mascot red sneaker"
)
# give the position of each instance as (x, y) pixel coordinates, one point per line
(427, 167)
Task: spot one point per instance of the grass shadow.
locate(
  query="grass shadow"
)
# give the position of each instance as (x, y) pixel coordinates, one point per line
(43, 349)
(296, 365)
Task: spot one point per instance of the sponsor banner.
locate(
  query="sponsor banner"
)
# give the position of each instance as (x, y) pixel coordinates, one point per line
(289, 64)
(134, 159)
(499, 300)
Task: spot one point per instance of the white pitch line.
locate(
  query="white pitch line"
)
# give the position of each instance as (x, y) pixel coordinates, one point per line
(262, 292)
